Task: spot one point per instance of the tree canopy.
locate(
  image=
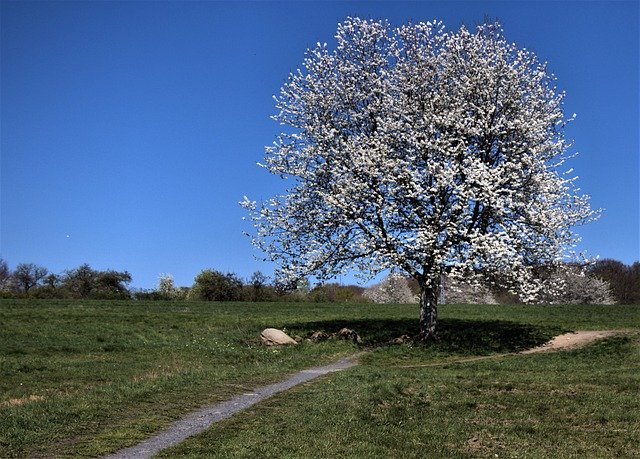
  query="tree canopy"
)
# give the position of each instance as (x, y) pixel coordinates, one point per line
(427, 150)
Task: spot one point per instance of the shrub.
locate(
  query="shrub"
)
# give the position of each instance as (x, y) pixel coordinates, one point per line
(336, 293)
(212, 285)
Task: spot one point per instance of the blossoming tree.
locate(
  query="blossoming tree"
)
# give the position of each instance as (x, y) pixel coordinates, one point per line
(430, 151)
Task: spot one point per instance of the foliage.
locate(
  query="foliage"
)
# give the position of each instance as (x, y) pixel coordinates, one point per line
(430, 151)
(85, 282)
(5, 275)
(112, 284)
(212, 285)
(47, 292)
(28, 275)
(336, 293)
(394, 289)
(148, 295)
(79, 282)
(572, 285)
(258, 280)
(258, 288)
(167, 289)
(461, 292)
(624, 280)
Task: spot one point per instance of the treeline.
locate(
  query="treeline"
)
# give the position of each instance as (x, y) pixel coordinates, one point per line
(29, 280)
(213, 285)
(623, 280)
(606, 281)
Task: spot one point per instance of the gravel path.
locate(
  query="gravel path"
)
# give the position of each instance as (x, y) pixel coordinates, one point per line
(200, 420)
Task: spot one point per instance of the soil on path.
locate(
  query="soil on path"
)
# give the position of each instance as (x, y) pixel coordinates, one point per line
(571, 340)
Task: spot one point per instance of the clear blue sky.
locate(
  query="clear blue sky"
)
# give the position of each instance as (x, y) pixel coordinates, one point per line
(130, 130)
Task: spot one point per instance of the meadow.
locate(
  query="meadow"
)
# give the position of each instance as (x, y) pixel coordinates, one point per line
(84, 378)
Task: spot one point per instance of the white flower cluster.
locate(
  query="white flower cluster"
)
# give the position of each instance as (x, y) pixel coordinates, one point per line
(462, 292)
(167, 286)
(416, 148)
(571, 285)
(393, 289)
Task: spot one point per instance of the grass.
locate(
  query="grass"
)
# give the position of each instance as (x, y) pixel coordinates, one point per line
(581, 403)
(85, 378)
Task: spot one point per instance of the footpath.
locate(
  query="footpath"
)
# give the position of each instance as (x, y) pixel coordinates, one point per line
(200, 420)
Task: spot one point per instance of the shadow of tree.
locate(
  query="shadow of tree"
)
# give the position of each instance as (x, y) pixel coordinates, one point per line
(456, 336)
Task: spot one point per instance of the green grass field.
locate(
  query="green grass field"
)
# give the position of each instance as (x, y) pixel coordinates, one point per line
(83, 378)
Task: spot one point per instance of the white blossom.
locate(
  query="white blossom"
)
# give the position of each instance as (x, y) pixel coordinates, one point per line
(167, 286)
(393, 289)
(416, 148)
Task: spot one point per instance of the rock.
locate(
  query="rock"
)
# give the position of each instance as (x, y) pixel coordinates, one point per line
(401, 339)
(275, 337)
(319, 336)
(298, 339)
(348, 334)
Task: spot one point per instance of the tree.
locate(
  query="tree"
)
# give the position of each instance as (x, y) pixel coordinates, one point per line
(212, 285)
(28, 275)
(573, 284)
(336, 293)
(52, 281)
(258, 287)
(635, 278)
(86, 282)
(463, 293)
(430, 151)
(624, 280)
(49, 288)
(393, 289)
(111, 284)
(79, 282)
(167, 287)
(5, 275)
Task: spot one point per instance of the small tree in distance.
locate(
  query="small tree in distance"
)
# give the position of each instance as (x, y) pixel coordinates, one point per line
(259, 287)
(430, 151)
(392, 289)
(5, 275)
(212, 285)
(28, 275)
(86, 282)
(167, 287)
(624, 280)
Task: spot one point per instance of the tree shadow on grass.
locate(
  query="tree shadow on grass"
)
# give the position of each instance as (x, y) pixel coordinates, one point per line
(456, 336)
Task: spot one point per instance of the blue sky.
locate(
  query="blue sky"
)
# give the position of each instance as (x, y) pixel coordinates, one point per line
(131, 130)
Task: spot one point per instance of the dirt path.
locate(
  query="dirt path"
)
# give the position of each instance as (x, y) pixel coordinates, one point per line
(202, 419)
(570, 340)
(560, 342)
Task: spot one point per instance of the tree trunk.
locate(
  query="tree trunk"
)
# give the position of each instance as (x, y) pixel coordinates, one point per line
(429, 310)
